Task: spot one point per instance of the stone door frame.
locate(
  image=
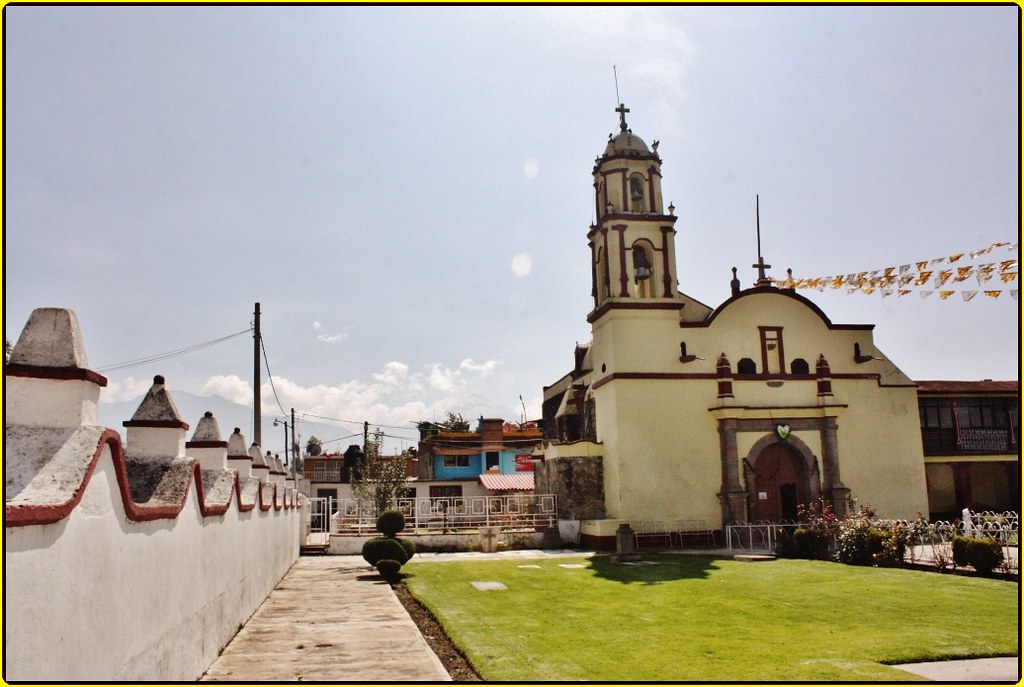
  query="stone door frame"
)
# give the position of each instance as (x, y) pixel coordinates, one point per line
(735, 495)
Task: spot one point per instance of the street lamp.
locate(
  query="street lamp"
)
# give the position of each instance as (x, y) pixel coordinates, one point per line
(286, 445)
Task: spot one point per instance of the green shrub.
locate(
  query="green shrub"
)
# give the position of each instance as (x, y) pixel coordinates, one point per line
(409, 545)
(887, 548)
(388, 569)
(982, 554)
(803, 542)
(379, 548)
(390, 523)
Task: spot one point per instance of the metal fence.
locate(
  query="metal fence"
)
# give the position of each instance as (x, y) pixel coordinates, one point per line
(756, 536)
(452, 514)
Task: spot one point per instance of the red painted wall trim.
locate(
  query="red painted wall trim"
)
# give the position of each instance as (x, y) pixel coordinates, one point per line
(21, 515)
(33, 372)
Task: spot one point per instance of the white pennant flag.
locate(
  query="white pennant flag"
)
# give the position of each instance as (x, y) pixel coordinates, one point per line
(968, 295)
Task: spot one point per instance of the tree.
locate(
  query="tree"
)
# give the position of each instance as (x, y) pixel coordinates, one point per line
(7, 351)
(380, 479)
(313, 447)
(454, 423)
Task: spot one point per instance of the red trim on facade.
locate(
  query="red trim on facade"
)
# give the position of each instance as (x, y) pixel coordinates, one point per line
(666, 267)
(206, 444)
(623, 277)
(632, 305)
(163, 424)
(788, 293)
(62, 373)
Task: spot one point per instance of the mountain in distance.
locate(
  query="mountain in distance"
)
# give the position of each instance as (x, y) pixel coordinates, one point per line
(191, 408)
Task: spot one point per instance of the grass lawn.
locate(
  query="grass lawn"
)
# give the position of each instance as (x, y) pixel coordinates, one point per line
(697, 618)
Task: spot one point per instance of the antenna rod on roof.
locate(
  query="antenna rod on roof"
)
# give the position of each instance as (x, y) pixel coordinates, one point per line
(616, 74)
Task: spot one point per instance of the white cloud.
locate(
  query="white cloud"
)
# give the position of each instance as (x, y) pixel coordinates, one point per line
(531, 168)
(522, 263)
(484, 369)
(329, 338)
(127, 389)
(231, 387)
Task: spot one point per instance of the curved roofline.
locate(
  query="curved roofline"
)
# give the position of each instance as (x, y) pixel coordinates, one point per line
(788, 293)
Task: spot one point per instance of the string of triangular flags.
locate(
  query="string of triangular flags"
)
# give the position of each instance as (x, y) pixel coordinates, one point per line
(945, 276)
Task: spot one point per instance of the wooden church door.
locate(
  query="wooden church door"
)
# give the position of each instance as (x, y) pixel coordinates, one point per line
(779, 484)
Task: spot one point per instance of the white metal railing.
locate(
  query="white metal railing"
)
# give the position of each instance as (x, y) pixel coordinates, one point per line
(755, 536)
(448, 514)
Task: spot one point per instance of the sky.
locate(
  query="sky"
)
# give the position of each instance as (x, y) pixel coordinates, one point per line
(406, 191)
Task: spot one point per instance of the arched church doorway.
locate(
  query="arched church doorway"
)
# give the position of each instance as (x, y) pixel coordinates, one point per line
(780, 483)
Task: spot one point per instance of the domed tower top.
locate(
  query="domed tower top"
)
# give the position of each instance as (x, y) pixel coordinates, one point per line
(627, 178)
(625, 143)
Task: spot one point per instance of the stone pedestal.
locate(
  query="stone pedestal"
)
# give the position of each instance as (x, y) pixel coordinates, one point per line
(552, 538)
(489, 539)
(625, 544)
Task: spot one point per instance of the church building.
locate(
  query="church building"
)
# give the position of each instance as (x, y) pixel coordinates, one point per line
(738, 413)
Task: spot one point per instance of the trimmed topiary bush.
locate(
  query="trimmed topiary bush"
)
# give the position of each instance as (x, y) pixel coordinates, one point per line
(388, 569)
(390, 523)
(409, 545)
(982, 554)
(380, 548)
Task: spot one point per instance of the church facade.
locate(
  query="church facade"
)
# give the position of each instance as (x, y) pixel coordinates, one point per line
(739, 413)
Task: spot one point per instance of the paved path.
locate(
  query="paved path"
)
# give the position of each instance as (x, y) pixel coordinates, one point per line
(973, 670)
(330, 619)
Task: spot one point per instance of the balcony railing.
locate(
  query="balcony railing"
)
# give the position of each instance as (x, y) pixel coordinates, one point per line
(455, 514)
(944, 441)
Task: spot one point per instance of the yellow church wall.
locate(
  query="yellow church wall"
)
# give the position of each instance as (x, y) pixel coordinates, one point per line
(880, 450)
(667, 452)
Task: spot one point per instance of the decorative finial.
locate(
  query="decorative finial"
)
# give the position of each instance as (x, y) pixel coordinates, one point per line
(671, 209)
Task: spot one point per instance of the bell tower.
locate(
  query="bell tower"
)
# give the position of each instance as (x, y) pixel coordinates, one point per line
(632, 242)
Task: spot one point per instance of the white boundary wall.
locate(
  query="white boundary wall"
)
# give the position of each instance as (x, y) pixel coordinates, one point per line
(99, 597)
(137, 567)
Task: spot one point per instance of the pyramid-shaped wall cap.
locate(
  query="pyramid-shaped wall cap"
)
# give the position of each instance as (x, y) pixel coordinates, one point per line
(236, 445)
(51, 338)
(157, 407)
(256, 453)
(207, 429)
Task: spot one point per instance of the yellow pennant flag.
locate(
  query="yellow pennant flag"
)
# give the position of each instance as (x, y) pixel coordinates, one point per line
(922, 266)
(993, 294)
(1007, 265)
(945, 294)
(943, 277)
(956, 256)
(1007, 277)
(923, 277)
(963, 273)
(904, 292)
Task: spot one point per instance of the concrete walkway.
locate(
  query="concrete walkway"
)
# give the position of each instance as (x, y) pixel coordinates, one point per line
(330, 619)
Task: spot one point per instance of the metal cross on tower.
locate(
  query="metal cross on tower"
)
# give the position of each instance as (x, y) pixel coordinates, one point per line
(762, 279)
(622, 110)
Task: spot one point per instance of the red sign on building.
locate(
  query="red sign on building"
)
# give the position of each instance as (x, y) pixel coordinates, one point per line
(524, 462)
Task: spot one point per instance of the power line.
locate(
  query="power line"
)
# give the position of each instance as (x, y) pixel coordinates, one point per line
(169, 354)
(270, 377)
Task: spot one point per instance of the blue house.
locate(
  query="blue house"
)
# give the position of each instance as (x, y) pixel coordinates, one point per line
(497, 458)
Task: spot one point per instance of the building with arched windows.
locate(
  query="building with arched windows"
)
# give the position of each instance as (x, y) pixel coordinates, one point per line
(679, 411)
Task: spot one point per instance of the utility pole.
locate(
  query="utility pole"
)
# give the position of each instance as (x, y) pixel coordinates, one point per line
(257, 410)
(366, 438)
(295, 444)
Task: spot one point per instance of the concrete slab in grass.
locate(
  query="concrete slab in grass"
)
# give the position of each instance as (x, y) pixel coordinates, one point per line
(488, 586)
